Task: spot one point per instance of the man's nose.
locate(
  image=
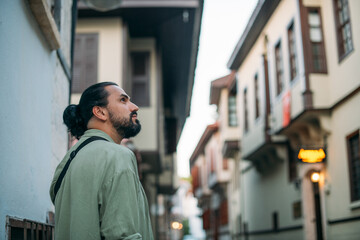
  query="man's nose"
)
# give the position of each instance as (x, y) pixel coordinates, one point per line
(134, 107)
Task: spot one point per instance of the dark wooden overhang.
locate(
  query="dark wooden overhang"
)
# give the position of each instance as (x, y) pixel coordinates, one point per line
(262, 13)
(265, 158)
(227, 81)
(230, 148)
(175, 25)
(209, 131)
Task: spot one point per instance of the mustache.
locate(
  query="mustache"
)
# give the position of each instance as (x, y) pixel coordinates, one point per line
(134, 113)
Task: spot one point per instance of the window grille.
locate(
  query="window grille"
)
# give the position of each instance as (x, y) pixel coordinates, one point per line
(24, 229)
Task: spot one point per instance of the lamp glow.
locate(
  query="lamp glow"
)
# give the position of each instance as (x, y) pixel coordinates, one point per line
(311, 156)
(175, 225)
(315, 177)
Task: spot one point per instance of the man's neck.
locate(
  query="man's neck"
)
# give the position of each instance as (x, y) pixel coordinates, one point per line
(109, 130)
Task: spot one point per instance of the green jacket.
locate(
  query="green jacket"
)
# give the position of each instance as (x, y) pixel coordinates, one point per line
(100, 196)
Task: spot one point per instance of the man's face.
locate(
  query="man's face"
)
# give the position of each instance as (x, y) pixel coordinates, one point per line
(122, 112)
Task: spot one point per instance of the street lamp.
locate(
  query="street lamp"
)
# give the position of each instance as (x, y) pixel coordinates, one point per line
(315, 177)
(176, 225)
(103, 5)
(311, 155)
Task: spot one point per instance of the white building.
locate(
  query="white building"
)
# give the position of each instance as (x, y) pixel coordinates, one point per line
(35, 67)
(298, 88)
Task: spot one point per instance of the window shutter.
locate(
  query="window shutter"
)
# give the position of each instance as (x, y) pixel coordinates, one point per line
(224, 216)
(140, 76)
(85, 62)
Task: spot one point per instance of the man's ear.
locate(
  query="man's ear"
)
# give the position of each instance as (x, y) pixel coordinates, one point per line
(100, 113)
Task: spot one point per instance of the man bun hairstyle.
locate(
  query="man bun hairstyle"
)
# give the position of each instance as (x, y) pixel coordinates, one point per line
(76, 117)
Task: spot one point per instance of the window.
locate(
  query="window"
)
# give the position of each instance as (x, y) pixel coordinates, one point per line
(257, 97)
(279, 69)
(232, 109)
(196, 180)
(212, 161)
(206, 219)
(343, 27)
(246, 120)
(225, 164)
(85, 62)
(140, 78)
(292, 52)
(353, 146)
(293, 158)
(316, 41)
(26, 229)
(297, 212)
(224, 215)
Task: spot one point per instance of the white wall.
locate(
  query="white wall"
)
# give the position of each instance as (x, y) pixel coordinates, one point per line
(264, 195)
(344, 122)
(34, 92)
(342, 76)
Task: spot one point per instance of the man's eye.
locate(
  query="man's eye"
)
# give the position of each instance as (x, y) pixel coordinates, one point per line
(123, 99)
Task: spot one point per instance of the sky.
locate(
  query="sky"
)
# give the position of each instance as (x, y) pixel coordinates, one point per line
(223, 23)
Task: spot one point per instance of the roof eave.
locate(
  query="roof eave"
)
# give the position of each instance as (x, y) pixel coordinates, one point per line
(210, 129)
(260, 16)
(152, 4)
(194, 54)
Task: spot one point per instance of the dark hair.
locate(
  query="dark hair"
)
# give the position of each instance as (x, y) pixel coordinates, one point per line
(76, 117)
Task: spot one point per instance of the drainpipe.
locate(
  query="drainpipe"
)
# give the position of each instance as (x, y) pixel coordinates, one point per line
(267, 92)
(307, 94)
(73, 27)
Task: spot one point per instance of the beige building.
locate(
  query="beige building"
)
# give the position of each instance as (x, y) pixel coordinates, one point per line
(215, 164)
(149, 48)
(298, 95)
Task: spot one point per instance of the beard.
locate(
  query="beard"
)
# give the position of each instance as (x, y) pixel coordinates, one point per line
(125, 127)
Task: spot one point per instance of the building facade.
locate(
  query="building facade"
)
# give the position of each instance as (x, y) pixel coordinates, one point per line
(35, 66)
(298, 94)
(149, 48)
(215, 164)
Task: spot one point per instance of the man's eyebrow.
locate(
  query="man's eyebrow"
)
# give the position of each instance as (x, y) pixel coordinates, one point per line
(124, 95)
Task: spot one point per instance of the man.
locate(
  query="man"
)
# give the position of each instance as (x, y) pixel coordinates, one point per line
(100, 195)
